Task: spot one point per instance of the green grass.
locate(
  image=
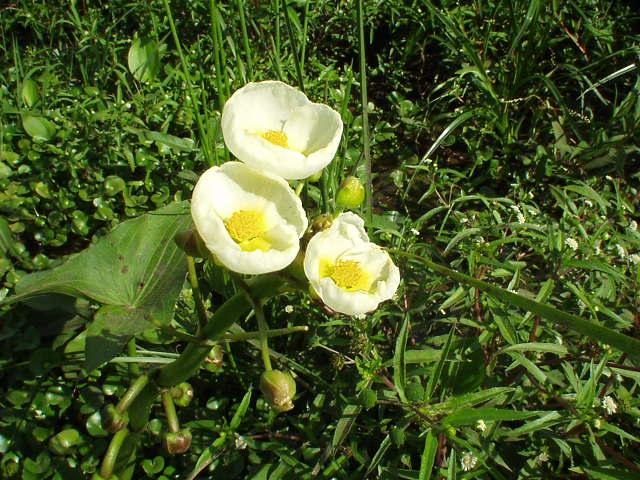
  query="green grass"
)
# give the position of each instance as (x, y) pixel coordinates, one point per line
(503, 142)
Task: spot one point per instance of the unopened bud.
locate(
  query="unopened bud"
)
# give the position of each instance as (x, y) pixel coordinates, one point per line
(64, 441)
(177, 442)
(320, 223)
(351, 193)
(278, 389)
(112, 420)
(182, 394)
(214, 360)
(191, 243)
(315, 177)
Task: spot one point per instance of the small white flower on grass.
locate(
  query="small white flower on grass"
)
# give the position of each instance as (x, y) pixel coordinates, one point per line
(240, 442)
(288, 309)
(480, 425)
(571, 243)
(468, 461)
(622, 253)
(596, 247)
(415, 232)
(521, 218)
(542, 458)
(597, 423)
(588, 203)
(360, 316)
(635, 259)
(609, 404)
(633, 226)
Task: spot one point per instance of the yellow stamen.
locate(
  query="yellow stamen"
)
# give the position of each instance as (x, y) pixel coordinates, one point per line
(276, 137)
(257, 243)
(347, 274)
(245, 225)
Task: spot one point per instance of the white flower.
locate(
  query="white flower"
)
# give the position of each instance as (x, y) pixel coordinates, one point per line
(588, 203)
(349, 273)
(480, 425)
(596, 247)
(635, 258)
(622, 253)
(240, 442)
(415, 231)
(250, 220)
(288, 309)
(609, 404)
(468, 461)
(542, 458)
(274, 127)
(633, 226)
(521, 218)
(571, 243)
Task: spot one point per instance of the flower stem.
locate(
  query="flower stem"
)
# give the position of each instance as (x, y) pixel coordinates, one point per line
(170, 411)
(197, 296)
(276, 332)
(263, 327)
(365, 114)
(109, 460)
(131, 394)
(299, 187)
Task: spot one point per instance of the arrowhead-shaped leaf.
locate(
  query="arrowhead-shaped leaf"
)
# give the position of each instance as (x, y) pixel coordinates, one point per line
(136, 271)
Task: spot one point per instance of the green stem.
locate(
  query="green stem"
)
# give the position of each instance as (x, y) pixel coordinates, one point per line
(109, 460)
(263, 327)
(365, 116)
(276, 332)
(245, 39)
(294, 49)
(134, 368)
(131, 394)
(170, 411)
(194, 103)
(299, 187)
(228, 313)
(197, 296)
(276, 15)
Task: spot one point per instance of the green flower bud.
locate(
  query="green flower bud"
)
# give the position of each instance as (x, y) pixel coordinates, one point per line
(278, 389)
(351, 193)
(64, 441)
(97, 476)
(112, 419)
(214, 360)
(191, 243)
(315, 177)
(182, 394)
(177, 442)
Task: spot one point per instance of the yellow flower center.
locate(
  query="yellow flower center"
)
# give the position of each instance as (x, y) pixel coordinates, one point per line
(347, 274)
(246, 227)
(276, 137)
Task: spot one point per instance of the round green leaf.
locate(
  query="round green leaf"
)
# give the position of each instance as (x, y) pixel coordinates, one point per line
(38, 128)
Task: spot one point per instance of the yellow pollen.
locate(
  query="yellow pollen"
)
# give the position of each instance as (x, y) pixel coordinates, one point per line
(348, 275)
(245, 225)
(276, 137)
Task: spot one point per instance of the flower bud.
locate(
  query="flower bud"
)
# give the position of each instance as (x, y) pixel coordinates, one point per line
(97, 476)
(182, 394)
(177, 442)
(315, 177)
(112, 420)
(351, 193)
(64, 441)
(320, 223)
(278, 389)
(191, 243)
(214, 360)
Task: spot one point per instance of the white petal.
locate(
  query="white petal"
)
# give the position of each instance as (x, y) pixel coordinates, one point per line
(313, 130)
(349, 303)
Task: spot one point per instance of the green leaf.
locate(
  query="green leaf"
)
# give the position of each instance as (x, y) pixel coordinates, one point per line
(433, 380)
(536, 347)
(137, 270)
(144, 59)
(469, 416)
(176, 143)
(29, 93)
(399, 368)
(38, 128)
(428, 455)
(241, 411)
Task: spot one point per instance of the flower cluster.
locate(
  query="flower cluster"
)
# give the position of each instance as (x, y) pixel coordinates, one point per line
(251, 220)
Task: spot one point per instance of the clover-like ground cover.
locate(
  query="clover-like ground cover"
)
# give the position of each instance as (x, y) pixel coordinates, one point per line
(504, 143)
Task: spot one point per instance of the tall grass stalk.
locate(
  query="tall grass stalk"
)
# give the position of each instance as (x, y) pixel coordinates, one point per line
(365, 117)
(245, 39)
(294, 49)
(211, 160)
